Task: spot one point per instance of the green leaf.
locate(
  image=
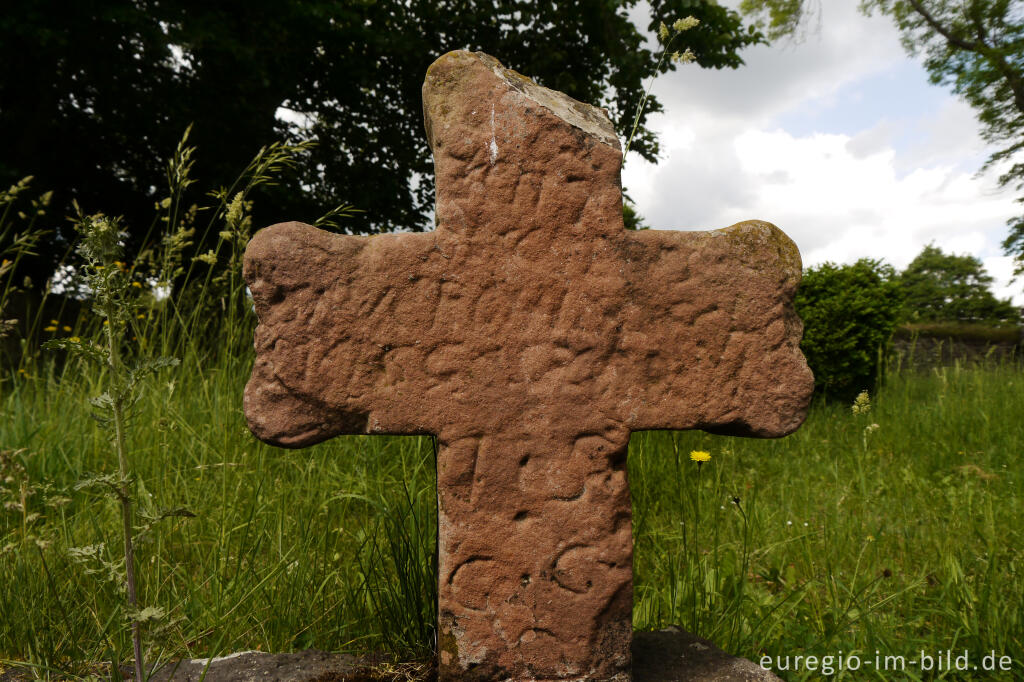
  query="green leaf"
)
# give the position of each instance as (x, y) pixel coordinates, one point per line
(148, 614)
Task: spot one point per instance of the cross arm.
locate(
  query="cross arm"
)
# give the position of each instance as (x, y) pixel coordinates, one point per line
(718, 341)
(339, 319)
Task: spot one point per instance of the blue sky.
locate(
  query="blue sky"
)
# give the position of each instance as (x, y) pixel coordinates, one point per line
(840, 140)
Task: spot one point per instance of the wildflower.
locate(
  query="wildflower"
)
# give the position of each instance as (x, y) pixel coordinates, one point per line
(686, 24)
(684, 57)
(140, 316)
(210, 258)
(862, 403)
(166, 203)
(700, 456)
(66, 328)
(137, 285)
(663, 32)
(54, 322)
(50, 328)
(75, 339)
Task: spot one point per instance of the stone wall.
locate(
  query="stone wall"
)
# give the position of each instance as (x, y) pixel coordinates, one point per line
(924, 351)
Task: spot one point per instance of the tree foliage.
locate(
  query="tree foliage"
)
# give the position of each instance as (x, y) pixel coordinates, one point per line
(93, 94)
(781, 19)
(849, 312)
(941, 287)
(975, 47)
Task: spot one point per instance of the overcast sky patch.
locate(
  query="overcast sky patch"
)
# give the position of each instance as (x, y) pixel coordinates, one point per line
(840, 140)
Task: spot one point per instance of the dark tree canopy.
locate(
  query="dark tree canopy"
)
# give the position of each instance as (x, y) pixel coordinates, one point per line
(94, 95)
(941, 287)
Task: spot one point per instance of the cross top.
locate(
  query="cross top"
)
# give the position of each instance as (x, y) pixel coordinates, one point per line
(531, 333)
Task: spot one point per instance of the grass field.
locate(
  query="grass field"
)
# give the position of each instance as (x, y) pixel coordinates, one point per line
(897, 530)
(847, 537)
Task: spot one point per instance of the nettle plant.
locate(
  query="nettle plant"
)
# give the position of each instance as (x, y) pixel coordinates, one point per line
(115, 300)
(151, 309)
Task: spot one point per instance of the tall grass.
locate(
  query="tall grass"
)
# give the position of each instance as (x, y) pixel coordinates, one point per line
(898, 530)
(846, 536)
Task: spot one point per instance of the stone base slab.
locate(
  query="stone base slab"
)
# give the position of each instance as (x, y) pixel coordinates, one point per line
(669, 655)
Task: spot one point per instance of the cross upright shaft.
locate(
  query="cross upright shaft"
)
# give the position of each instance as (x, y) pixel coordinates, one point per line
(531, 333)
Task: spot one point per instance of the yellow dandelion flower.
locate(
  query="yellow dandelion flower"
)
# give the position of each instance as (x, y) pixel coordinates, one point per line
(700, 456)
(51, 328)
(54, 322)
(137, 285)
(75, 339)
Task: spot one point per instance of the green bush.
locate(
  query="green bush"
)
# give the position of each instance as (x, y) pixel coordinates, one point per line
(849, 312)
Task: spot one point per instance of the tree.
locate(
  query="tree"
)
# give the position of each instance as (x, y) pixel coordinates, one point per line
(93, 94)
(940, 287)
(849, 312)
(630, 218)
(974, 46)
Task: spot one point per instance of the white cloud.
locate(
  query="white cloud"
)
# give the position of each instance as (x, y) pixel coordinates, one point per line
(1001, 268)
(840, 141)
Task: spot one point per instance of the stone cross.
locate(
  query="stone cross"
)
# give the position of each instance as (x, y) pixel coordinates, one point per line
(531, 334)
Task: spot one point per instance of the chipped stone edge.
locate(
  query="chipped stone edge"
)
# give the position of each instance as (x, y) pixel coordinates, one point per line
(593, 121)
(590, 119)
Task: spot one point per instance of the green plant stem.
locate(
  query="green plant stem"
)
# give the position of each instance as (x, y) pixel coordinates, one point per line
(698, 594)
(53, 590)
(114, 359)
(647, 94)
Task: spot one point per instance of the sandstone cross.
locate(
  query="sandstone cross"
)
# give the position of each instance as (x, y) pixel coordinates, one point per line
(531, 333)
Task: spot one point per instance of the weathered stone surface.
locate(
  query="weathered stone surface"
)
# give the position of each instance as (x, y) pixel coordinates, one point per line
(674, 655)
(257, 666)
(531, 333)
(669, 655)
